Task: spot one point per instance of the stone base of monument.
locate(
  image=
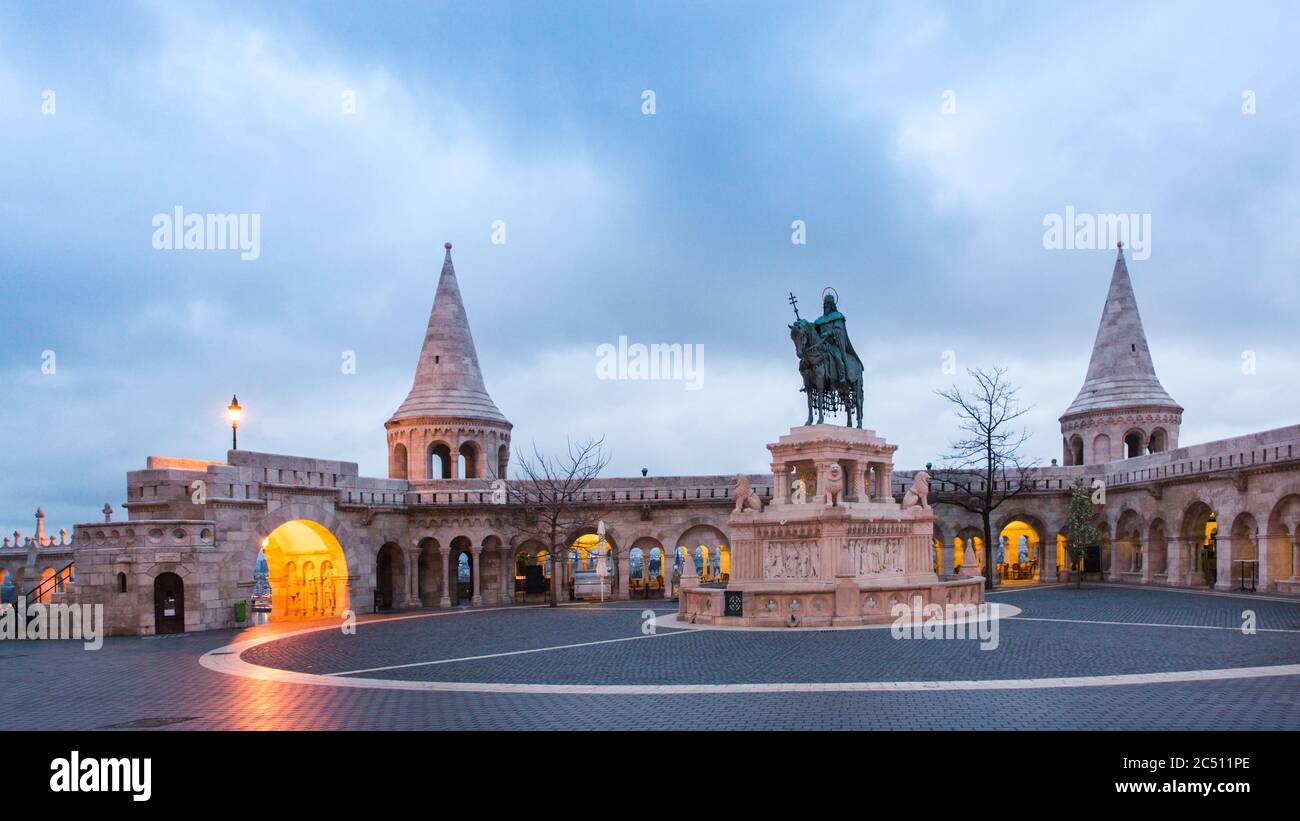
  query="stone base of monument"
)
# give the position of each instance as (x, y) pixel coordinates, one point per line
(833, 548)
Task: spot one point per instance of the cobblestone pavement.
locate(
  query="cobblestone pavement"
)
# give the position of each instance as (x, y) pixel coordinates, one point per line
(146, 682)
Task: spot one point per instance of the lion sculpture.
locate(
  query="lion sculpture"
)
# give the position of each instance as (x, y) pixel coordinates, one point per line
(746, 496)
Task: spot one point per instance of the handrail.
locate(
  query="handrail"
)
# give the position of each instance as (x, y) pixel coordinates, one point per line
(35, 594)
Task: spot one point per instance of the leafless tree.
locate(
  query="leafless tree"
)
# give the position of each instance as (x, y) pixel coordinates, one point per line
(984, 468)
(549, 492)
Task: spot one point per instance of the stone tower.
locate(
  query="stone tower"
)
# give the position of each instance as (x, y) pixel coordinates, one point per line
(448, 427)
(1121, 410)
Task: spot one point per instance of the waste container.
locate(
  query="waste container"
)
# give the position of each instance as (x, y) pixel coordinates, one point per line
(241, 610)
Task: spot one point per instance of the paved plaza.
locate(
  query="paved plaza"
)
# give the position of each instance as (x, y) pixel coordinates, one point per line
(1103, 657)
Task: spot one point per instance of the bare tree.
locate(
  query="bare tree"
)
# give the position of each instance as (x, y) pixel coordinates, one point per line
(549, 489)
(984, 469)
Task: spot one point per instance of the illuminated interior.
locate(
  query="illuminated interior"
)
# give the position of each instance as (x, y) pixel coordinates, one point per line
(307, 571)
(1018, 553)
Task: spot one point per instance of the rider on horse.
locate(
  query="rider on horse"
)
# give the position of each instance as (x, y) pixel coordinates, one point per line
(832, 329)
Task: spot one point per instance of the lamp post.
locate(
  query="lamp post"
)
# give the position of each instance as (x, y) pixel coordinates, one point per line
(233, 413)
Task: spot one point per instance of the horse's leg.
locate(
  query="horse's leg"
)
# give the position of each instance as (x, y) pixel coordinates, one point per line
(809, 391)
(859, 398)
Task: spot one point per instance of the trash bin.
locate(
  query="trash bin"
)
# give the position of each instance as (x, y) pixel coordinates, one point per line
(241, 610)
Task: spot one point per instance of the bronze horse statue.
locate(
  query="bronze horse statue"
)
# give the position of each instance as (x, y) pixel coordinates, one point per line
(827, 390)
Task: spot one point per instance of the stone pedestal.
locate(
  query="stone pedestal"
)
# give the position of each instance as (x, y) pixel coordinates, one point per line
(843, 556)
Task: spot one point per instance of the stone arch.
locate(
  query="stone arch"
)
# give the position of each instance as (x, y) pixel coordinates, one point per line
(1017, 552)
(709, 546)
(398, 462)
(1282, 543)
(390, 579)
(461, 563)
(1134, 443)
(1074, 453)
(1159, 441)
(1243, 544)
(1100, 449)
(467, 460)
(438, 460)
(1157, 548)
(1192, 530)
(503, 460)
(1128, 542)
(428, 571)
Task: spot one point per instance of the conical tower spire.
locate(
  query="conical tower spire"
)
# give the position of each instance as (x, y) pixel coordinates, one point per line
(448, 382)
(1121, 384)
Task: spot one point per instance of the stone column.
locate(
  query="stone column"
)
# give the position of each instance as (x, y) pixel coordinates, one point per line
(624, 575)
(507, 574)
(780, 484)
(413, 579)
(1047, 562)
(476, 570)
(886, 482)
(670, 558)
(1295, 554)
(946, 558)
(444, 555)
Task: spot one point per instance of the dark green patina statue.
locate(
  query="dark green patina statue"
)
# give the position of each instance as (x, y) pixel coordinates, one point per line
(831, 369)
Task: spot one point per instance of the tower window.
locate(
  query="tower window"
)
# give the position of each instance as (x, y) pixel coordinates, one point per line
(1133, 347)
(435, 359)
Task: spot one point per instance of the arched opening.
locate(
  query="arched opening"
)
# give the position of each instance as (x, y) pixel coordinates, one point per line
(300, 573)
(390, 577)
(1199, 545)
(503, 461)
(461, 588)
(468, 461)
(1129, 548)
(1157, 549)
(709, 551)
(397, 463)
(1244, 552)
(1159, 441)
(1132, 444)
(532, 570)
(592, 577)
(1017, 557)
(1282, 543)
(439, 461)
(1076, 450)
(428, 572)
(121, 581)
(1100, 449)
(48, 585)
(168, 604)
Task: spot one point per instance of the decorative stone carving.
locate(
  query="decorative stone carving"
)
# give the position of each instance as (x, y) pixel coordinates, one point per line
(918, 495)
(791, 560)
(870, 557)
(746, 497)
(832, 485)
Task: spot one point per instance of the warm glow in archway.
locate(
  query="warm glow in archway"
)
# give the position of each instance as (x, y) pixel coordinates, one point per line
(307, 570)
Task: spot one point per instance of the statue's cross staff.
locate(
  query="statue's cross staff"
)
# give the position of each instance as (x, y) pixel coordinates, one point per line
(794, 303)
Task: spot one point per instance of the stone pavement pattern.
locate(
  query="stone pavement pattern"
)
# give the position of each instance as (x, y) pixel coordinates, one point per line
(159, 682)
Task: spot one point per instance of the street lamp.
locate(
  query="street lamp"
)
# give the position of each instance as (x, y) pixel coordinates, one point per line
(233, 412)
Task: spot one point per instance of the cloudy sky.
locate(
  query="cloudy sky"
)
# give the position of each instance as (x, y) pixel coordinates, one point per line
(922, 145)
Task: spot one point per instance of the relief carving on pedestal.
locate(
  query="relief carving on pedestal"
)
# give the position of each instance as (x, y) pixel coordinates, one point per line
(868, 557)
(791, 560)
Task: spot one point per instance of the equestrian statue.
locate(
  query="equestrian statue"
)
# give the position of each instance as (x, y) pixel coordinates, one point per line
(831, 369)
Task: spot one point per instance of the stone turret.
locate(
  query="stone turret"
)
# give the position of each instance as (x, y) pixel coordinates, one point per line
(1122, 410)
(448, 427)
